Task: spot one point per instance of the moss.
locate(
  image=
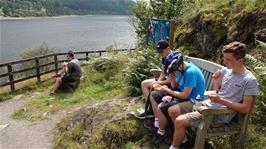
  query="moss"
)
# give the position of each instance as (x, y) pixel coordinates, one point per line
(118, 133)
(69, 139)
(5, 96)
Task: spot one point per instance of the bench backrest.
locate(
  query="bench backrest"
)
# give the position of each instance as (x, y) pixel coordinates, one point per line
(207, 68)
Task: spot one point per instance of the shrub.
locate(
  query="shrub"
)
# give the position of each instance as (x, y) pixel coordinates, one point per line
(138, 69)
(43, 49)
(259, 69)
(111, 64)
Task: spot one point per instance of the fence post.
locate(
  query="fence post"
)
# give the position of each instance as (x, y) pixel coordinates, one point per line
(11, 78)
(171, 33)
(37, 66)
(55, 64)
(87, 56)
(100, 53)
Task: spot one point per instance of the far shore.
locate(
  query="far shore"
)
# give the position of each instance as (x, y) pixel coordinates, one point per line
(49, 17)
(29, 18)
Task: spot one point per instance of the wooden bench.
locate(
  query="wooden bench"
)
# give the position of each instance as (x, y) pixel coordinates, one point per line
(206, 129)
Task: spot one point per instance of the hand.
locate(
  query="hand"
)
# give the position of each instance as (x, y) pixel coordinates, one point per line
(56, 75)
(155, 84)
(64, 64)
(217, 75)
(161, 89)
(214, 97)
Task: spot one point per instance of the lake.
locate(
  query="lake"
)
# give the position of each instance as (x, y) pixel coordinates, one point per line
(77, 33)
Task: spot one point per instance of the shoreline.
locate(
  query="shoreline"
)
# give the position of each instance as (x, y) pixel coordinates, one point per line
(31, 18)
(51, 17)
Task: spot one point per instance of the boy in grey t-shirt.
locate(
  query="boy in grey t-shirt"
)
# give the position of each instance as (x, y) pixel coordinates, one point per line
(235, 87)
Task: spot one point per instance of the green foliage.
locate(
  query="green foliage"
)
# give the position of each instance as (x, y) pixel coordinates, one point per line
(207, 24)
(138, 69)
(5, 96)
(98, 84)
(140, 20)
(167, 9)
(23, 8)
(259, 69)
(41, 50)
(121, 132)
(110, 65)
(68, 138)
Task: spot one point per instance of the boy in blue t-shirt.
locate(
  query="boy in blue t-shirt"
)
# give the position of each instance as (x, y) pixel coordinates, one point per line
(187, 82)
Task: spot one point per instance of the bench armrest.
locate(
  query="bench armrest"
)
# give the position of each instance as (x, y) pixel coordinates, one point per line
(204, 110)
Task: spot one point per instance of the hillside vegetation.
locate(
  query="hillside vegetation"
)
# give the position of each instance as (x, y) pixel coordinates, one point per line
(24, 8)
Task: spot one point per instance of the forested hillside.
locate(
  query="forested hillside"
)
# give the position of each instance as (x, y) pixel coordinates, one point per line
(23, 8)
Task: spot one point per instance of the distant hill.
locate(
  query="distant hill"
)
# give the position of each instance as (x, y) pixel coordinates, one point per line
(24, 8)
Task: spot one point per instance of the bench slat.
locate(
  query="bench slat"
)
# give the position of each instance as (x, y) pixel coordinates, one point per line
(207, 65)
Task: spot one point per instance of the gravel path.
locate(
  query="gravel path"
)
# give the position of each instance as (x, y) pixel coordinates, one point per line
(22, 134)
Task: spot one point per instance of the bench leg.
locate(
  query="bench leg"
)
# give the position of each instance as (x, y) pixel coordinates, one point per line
(202, 132)
(200, 139)
(237, 141)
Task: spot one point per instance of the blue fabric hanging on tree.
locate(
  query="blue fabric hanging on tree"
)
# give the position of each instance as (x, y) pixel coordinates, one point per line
(158, 30)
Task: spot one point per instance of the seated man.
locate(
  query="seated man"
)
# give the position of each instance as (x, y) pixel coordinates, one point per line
(72, 74)
(187, 82)
(236, 87)
(163, 49)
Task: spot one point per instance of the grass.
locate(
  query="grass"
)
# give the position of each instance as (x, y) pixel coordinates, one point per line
(103, 131)
(26, 87)
(94, 87)
(68, 138)
(5, 96)
(254, 139)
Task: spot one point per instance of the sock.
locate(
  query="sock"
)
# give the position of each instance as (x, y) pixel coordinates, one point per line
(156, 122)
(172, 147)
(161, 131)
(185, 139)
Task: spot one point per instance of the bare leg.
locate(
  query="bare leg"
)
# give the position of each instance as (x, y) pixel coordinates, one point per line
(154, 107)
(58, 82)
(181, 122)
(146, 85)
(162, 119)
(174, 111)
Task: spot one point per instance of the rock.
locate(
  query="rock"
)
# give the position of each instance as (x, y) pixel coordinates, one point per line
(44, 114)
(19, 97)
(2, 126)
(106, 124)
(261, 35)
(24, 109)
(248, 25)
(36, 94)
(207, 33)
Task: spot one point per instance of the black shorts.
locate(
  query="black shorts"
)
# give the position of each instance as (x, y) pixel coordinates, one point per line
(68, 83)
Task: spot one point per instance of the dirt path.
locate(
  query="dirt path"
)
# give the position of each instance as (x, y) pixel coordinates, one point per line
(22, 134)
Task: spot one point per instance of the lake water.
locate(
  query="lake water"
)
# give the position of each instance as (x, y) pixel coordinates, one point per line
(78, 33)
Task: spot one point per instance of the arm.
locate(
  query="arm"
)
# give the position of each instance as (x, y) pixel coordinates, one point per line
(161, 77)
(243, 107)
(63, 70)
(181, 95)
(217, 80)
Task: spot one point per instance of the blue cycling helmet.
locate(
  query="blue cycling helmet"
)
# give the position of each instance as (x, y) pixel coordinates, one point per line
(173, 61)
